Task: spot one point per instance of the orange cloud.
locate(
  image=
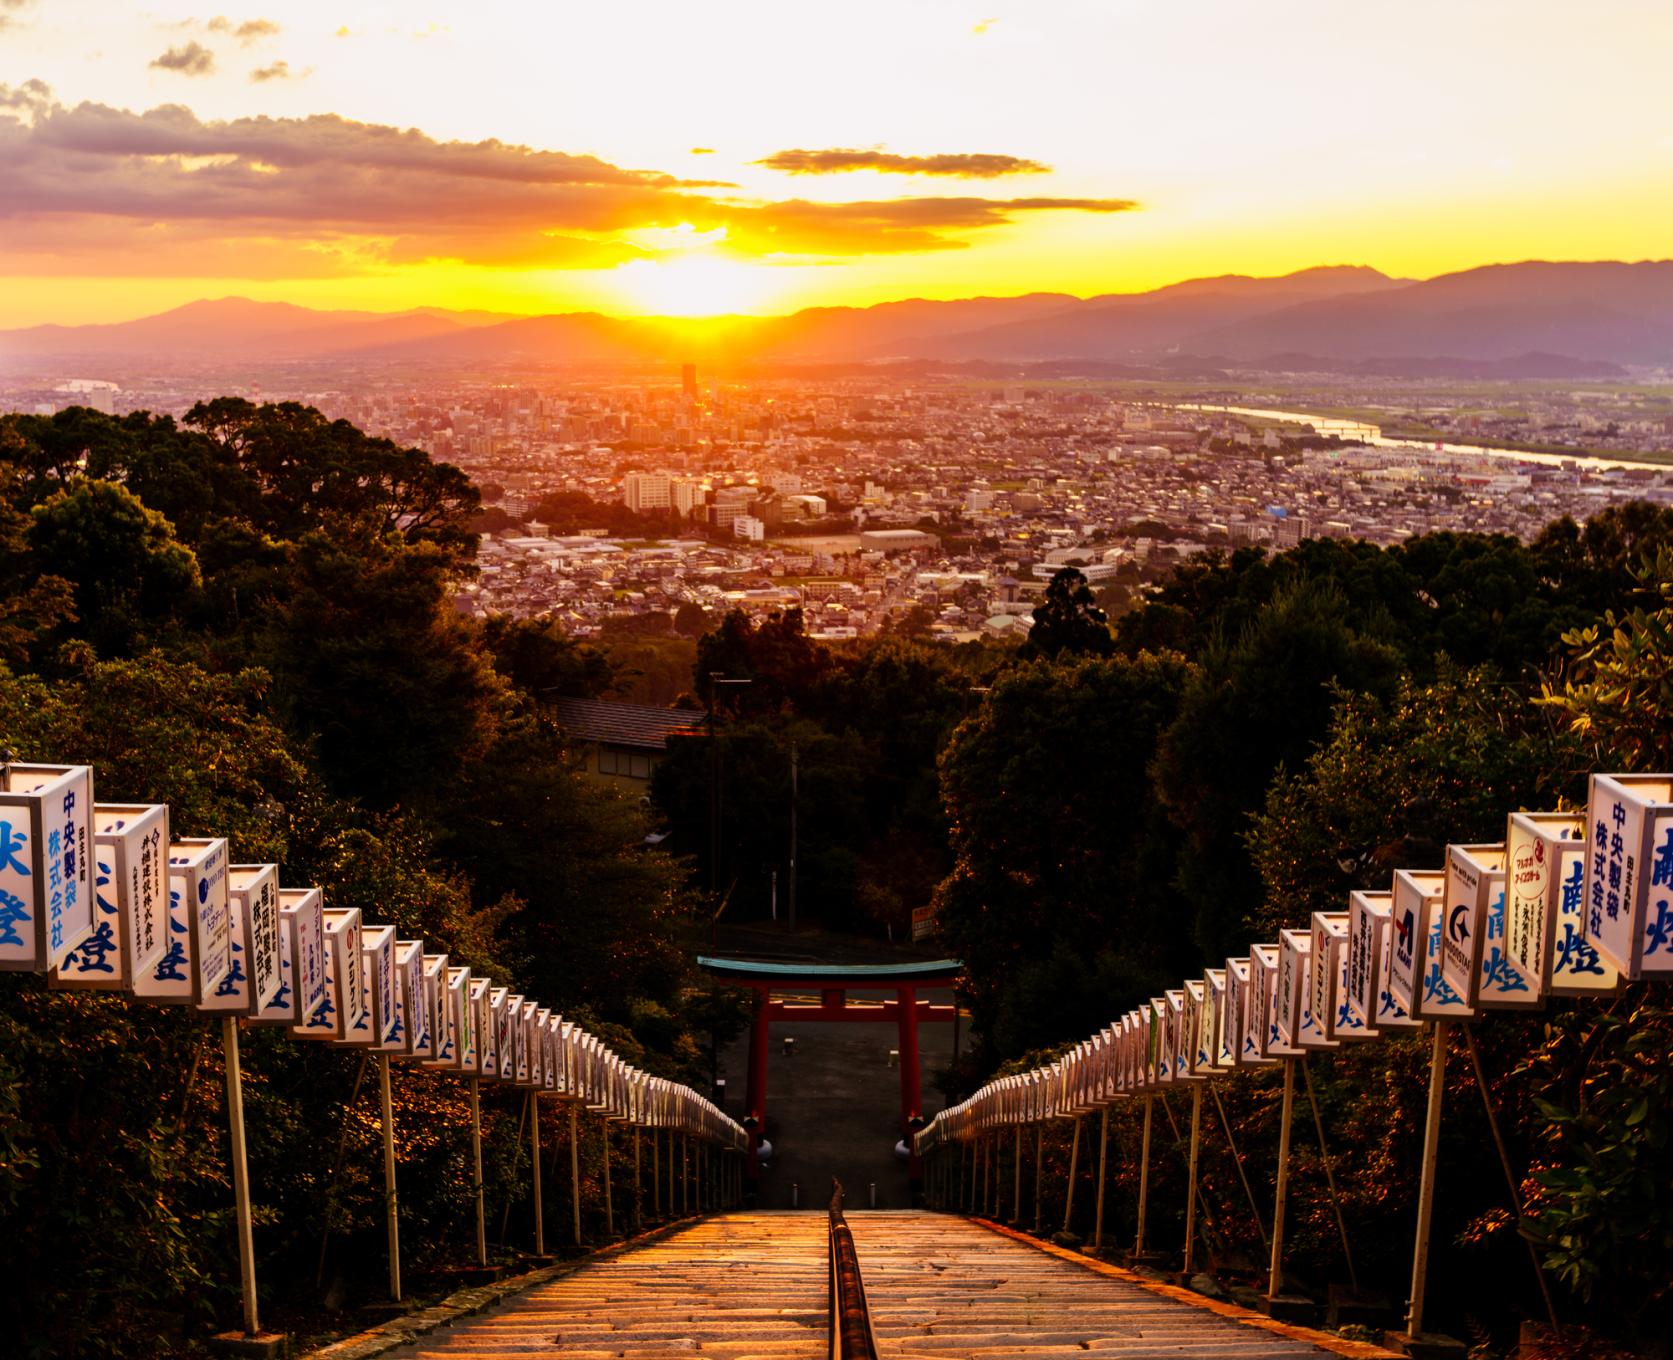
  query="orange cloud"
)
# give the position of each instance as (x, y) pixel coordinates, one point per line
(94, 189)
(962, 165)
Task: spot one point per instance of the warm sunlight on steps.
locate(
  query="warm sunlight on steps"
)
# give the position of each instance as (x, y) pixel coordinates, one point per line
(753, 1287)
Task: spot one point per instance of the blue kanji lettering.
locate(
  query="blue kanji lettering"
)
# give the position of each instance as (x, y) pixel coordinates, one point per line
(1576, 955)
(1572, 891)
(91, 954)
(1661, 872)
(1659, 933)
(235, 975)
(168, 967)
(12, 913)
(1497, 973)
(11, 845)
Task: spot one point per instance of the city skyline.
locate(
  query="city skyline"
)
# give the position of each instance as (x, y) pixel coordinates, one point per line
(670, 160)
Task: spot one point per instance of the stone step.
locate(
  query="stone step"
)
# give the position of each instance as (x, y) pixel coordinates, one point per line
(753, 1287)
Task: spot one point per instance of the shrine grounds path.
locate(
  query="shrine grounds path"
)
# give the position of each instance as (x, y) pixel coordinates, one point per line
(752, 1286)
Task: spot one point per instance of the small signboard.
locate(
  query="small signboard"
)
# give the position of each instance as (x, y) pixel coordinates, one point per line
(411, 1025)
(1545, 919)
(130, 895)
(46, 882)
(1629, 875)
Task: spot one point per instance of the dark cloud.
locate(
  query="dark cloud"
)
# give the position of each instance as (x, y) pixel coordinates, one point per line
(279, 70)
(189, 59)
(90, 183)
(961, 165)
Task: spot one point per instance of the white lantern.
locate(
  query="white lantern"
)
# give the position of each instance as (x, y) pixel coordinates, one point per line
(1414, 957)
(345, 966)
(130, 894)
(1545, 917)
(381, 1026)
(1629, 875)
(1241, 992)
(253, 906)
(1327, 979)
(428, 1041)
(1366, 956)
(46, 884)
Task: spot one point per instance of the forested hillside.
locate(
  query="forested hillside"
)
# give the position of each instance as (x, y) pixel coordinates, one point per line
(247, 615)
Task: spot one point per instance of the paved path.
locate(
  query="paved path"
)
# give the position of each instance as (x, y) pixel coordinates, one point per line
(943, 1287)
(753, 1287)
(742, 1286)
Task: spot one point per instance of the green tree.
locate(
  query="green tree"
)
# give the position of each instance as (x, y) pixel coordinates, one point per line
(126, 569)
(1059, 901)
(1068, 619)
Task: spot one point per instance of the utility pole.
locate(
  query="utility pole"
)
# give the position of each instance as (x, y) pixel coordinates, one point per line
(716, 680)
(791, 902)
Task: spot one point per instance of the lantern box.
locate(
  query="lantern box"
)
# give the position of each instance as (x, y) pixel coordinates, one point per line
(381, 1009)
(198, 954)
(427, 1042)
(1214, 1036)
(1176, 1042)
(498, 1056)
(452, 1019)
(482, 1030)
(130, 896)
(46, 884)
(1414, 957)
(1629, 873)
(530, 1059)
(1327, 976)
(1545, 918)
(509, 1041)
(253, 905)
(345, 965)
(1476, 877)
(410, 1023)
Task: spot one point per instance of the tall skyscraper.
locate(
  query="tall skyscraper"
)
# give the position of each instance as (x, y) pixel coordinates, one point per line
(688, 380)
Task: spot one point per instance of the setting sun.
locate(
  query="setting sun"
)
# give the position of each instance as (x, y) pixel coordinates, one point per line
(701, 283)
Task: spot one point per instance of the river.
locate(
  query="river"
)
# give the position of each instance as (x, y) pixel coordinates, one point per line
(1362, 433)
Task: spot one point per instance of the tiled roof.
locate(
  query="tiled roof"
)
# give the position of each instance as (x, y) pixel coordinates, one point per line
(641, 725)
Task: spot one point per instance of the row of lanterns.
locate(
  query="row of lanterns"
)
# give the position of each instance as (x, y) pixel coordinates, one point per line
(1569, 904)
(100, 897)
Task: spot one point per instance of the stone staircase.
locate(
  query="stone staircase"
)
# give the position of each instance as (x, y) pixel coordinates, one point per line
(753, 1287)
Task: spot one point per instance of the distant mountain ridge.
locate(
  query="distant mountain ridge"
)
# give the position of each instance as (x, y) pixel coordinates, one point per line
(1534, 319)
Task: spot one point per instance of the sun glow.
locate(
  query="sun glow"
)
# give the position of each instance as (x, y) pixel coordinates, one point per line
(695, 281)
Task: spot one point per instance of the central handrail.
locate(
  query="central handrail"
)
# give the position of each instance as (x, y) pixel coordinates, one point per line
(850, 1318)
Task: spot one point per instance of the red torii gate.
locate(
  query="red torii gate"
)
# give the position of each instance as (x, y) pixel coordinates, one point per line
(833, 982)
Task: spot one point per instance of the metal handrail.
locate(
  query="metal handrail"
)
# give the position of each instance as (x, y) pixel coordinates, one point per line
(850, 1318)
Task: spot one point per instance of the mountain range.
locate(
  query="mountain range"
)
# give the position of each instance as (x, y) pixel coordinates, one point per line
(1533, 319)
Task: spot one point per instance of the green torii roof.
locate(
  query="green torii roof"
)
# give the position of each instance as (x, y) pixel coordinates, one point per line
(849, 974)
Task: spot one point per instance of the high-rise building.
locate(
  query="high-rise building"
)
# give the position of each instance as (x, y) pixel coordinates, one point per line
(688, 380)
(646, 491)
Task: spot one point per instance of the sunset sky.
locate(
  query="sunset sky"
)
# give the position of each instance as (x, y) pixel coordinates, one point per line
(736, 156)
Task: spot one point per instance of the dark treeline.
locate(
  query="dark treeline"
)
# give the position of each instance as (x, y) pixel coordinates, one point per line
(247, 615)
